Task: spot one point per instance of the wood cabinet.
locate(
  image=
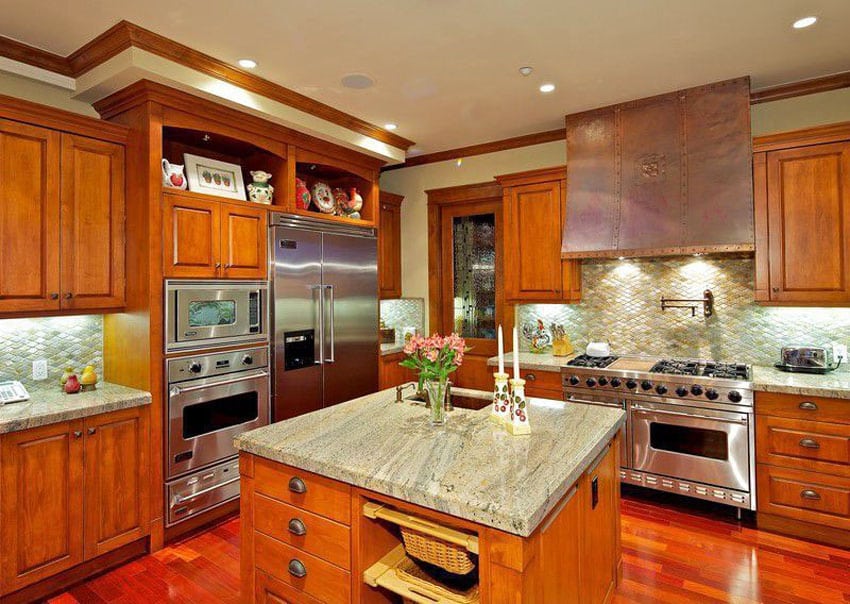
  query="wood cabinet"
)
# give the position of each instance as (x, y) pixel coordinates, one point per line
(391, 374)
(70, 492)
(389, 245)
(542, 384)
(206, 238)
(534, 210)
(802, 220)
(600, 539)
(61, 221)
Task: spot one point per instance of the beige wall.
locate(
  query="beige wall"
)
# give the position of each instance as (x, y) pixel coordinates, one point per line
(801, 112)
(39, 92)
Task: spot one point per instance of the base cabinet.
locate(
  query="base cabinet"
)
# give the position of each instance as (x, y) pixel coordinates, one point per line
(70, 492)
(392, 374)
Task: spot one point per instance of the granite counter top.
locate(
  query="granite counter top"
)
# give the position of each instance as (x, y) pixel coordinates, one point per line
(49, 405)
(469, 468)
(387, 349)
(545, 361)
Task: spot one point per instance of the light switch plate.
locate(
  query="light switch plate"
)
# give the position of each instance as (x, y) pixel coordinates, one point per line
(39, 369)
(839, 351)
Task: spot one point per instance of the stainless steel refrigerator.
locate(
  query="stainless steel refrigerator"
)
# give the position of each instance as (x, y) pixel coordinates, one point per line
(324, 282)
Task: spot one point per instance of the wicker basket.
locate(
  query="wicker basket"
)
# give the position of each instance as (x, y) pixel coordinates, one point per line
(451, 557)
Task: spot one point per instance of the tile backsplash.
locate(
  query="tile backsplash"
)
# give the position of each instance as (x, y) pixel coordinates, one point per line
(621, 303)
(401, 313)
(76, 341)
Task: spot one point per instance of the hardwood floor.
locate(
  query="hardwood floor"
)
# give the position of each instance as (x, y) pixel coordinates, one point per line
(674, 551)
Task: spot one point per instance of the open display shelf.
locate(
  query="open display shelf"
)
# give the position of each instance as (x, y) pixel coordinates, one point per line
(312, 172)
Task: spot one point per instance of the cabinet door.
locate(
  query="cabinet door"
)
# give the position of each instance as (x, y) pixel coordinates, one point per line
(389, 250)
(92, 223)
(116, 485)
(272, 591)
(533, 269)
(191, 237)
(599, 548)
(244, 241)
(41, 502)
(29, 218)
(808, 192)
(560, 550)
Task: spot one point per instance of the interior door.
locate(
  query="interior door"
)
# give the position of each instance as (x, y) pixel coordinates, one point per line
(296, 281)
(350, 277)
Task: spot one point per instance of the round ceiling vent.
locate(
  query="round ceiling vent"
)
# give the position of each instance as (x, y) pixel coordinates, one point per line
(358, 81)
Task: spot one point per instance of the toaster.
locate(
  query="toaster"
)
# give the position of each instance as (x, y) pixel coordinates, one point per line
(812, 358)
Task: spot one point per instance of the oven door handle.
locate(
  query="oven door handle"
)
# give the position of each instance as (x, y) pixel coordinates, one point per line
(176, 390)
(730, 420)
(178, 499)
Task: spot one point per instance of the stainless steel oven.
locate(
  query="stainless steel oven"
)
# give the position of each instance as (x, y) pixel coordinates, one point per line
(710, 447)
(209, 314)
(605, 400)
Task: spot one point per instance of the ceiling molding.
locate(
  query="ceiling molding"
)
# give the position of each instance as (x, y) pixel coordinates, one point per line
(124, 35)
(516, 142)
(813, 86)
(816, 135)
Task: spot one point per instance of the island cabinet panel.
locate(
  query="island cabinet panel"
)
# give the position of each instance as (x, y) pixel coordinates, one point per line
(600, 538)
(560, 550)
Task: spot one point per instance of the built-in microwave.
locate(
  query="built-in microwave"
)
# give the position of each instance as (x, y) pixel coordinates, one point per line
(211, 314)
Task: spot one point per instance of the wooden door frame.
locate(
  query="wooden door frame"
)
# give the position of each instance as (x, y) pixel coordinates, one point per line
(454, 197)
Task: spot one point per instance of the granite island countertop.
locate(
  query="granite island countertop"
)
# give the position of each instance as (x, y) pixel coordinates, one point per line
(469, 468)
(49, 405)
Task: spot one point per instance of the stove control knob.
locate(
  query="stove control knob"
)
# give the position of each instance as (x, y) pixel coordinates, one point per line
(682, 391)
(590, 382)
(696, 390)
(247, 360)
(631, 384)
(735, 396)
(574, 380)
(661, 389)
(603, 381)
(711, 394)
(195, 367)
(615, 382)
(646, 384)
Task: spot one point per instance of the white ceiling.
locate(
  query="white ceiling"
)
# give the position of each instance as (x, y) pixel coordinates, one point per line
(447, 70)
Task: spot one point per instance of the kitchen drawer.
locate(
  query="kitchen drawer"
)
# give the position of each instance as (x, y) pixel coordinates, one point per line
(305, 490)
(804, 495)
(269, 590)
(803, 407)
(546, 380)
(322, 580)
(321, 537)
(819, 446)
(537, 392)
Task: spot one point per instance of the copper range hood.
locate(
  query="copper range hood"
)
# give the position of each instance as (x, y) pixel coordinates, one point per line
(666, 175)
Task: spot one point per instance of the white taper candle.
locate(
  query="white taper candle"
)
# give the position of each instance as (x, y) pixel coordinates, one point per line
(516, 354)
(501, 351)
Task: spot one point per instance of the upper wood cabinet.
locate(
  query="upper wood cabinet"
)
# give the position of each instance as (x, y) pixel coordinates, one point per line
(389, 245)
(802, 212)
(534, 208)
(61, 221)
(204, 238)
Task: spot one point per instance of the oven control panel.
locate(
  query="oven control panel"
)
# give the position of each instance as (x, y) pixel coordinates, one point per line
(219, 363)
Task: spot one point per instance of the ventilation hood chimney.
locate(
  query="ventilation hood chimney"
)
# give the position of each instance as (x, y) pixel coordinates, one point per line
(666, 175)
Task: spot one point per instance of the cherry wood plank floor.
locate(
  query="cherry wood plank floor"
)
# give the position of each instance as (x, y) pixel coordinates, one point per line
(674, 551)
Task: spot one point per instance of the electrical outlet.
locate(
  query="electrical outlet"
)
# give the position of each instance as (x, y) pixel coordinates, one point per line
(839, 352)
(39, 369)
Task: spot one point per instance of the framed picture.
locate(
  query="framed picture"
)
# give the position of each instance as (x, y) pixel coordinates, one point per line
(214, 177)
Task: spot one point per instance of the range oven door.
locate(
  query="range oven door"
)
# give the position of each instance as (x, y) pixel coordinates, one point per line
(603, 400)
(206, 414)
(701, 445)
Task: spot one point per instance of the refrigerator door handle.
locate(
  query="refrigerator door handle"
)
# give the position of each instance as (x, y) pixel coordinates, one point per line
(330, 289)
(320, 315)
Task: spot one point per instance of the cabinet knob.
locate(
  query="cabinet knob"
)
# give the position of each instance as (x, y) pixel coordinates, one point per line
(228, 265)
(808, 406)
(218, 264)
(297, 568)
(809, 443)
(296, 485)
(54, 296)
(810, 494)
(297, 527)
(92, 431)
(68, 295)
(530, 377)
(775, 289)
(78, 433)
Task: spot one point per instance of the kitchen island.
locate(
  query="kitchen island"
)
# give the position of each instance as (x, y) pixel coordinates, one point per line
(326, 497)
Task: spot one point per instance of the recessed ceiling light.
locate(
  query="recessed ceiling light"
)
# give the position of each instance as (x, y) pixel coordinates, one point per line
(804, 22)
(526, 70)
(358, 81)
(390, 126)
(247, 63)
(547, 88)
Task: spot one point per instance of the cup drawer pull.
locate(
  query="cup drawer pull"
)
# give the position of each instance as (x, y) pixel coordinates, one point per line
(808, 406)
(296, 485)
(297, 568)
(810, 494)
(297, 527)
(530, 377)
(809, 443)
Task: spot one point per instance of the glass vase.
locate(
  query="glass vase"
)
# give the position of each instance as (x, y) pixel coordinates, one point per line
(436, 391)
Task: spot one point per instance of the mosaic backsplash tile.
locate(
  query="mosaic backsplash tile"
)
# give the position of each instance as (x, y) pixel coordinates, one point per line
(401, 313)
(76, 341)
(621, 303)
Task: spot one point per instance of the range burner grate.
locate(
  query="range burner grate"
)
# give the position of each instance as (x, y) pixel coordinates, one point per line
(713, 369)
(584, 360)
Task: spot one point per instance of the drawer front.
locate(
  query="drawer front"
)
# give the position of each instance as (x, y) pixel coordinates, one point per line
(317, 494)
(803, 495)
(546, 380)
(536, 392)
(320, 579)
(269, 590)
(819, 446)
(810, 408)
(325, 539)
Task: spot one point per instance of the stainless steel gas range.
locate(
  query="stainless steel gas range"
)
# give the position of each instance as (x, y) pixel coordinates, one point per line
(690, 427)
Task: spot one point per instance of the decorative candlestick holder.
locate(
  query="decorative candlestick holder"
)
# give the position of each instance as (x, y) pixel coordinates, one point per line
(500, 411)
(518, 421)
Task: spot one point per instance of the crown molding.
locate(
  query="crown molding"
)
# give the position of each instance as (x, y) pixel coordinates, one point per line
(786, 91)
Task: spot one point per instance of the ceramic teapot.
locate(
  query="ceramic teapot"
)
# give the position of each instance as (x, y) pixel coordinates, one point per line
(260, 190)
(172, 175)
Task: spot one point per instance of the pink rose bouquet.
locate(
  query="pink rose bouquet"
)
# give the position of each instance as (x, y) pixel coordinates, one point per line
(435, 357)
